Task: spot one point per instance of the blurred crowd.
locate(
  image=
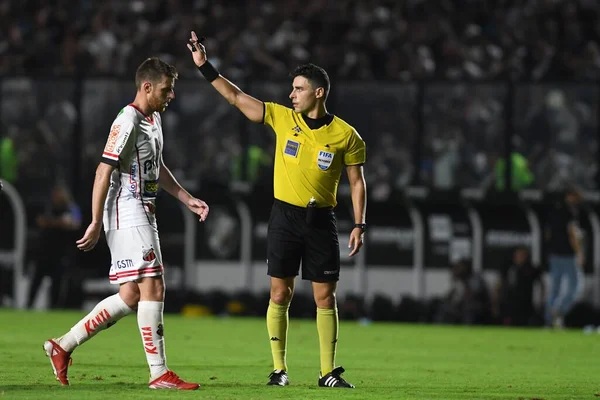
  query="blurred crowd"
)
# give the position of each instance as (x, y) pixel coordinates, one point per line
(368, 39)
(376, 51)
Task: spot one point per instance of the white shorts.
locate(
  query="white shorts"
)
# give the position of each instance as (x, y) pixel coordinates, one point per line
(135, 253)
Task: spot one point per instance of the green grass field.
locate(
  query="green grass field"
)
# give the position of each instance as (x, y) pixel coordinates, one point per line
(230, 357)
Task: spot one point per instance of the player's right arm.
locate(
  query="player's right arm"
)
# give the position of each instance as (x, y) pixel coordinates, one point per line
(120, 140)
(251, 107)
(99, 192)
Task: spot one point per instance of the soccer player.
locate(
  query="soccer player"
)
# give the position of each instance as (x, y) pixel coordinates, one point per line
(123, 200)
(312, 148)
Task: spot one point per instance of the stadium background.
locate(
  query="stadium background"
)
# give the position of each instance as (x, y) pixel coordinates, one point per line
(442, 92)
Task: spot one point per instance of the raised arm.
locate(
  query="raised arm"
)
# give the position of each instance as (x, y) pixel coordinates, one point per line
(251, 107)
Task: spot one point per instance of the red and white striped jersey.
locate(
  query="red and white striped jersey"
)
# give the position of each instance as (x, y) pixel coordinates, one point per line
(134, 146)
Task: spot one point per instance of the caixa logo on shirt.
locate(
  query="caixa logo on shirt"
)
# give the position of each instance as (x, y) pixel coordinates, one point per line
(324, 159)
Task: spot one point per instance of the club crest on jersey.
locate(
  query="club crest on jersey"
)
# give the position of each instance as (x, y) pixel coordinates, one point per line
(148, 255)
(291, 148)
(324, 159)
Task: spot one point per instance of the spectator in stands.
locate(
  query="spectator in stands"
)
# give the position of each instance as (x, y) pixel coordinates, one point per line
(468, 301)
(513, 296)
(400, 41)
(56, 253)
(567, 256)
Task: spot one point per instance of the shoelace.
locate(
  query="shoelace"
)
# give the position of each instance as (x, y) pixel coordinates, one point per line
(172, 377)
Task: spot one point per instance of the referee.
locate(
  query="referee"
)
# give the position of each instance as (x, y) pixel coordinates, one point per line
(312, 148)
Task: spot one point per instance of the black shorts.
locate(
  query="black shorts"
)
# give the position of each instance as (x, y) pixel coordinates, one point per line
(291, 240)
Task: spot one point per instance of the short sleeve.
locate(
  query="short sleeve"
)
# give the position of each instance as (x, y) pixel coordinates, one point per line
(273, 114)
(118, 141)
(356, 153)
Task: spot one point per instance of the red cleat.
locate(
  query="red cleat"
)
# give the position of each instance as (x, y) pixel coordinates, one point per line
(59, 359)
(170, 380)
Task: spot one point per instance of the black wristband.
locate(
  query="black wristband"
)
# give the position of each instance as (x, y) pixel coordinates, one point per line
(209, 72)
(362, 227)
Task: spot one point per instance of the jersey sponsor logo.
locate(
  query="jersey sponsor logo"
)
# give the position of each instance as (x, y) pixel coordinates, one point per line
(324, 159)
(151, 188)
(122, 264)
(291, 148)
(149, 165)
(123, 142)
(112, 138)
(297, 129)
(133, 183)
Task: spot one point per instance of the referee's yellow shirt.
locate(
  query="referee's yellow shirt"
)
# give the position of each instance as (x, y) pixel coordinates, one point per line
(309, 163)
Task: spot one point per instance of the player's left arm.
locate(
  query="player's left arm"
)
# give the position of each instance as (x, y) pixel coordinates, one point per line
(167, 181)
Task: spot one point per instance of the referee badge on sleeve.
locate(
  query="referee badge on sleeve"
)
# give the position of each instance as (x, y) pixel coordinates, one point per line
(324, 159)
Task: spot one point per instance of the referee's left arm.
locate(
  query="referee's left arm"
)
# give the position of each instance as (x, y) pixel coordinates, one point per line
(358, 191)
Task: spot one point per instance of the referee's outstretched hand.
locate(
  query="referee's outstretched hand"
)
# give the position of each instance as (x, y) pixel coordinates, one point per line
(197, 49)
(356, 241)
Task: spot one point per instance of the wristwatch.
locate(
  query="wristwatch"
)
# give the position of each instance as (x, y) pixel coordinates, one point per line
(363, 227)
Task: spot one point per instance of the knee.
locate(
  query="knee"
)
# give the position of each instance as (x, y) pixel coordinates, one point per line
(130, 297)
(148, 289)
(281, 295)
(156, 290)
(325, 299)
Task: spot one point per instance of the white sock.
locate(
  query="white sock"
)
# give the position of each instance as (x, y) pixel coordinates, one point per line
(150, 321)
(104, 315)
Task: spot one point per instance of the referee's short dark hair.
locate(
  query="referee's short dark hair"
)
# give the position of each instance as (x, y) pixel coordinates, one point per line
(153, 69)
(316, 75)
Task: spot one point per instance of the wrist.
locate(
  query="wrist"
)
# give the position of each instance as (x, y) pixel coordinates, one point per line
(362, 227)
(208, 70)
(184, 196)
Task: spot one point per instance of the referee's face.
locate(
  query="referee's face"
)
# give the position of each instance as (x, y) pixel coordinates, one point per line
(162, 93)
(303, 95)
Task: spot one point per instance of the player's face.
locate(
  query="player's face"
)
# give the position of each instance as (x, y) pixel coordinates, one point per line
(303, 95)
(161, 95)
